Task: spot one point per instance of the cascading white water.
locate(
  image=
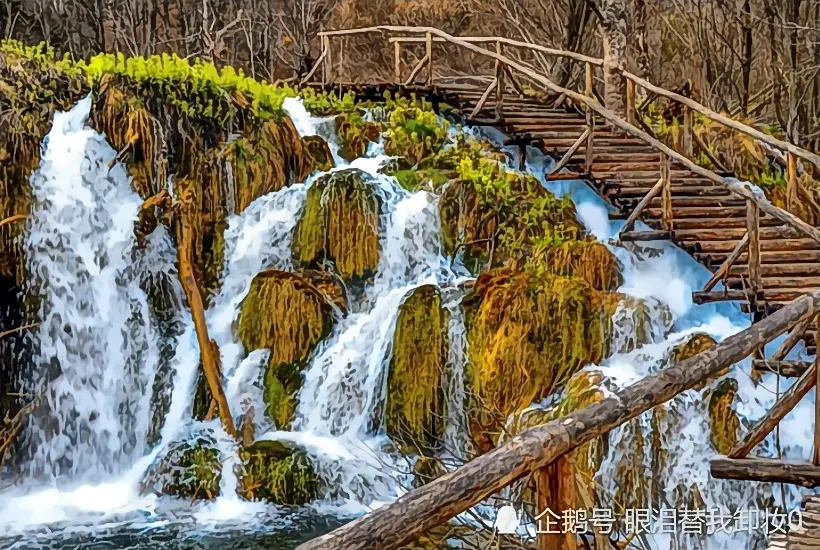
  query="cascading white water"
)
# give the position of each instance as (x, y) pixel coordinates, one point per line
(96, 351)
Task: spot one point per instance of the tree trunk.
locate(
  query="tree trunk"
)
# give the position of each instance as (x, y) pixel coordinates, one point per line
(615, 53)
(416, 512)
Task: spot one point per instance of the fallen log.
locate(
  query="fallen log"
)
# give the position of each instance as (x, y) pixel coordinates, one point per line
(390, 526)
(777, 470)
(207, 347)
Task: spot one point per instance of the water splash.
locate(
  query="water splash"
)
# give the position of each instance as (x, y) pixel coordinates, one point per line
(96, 349)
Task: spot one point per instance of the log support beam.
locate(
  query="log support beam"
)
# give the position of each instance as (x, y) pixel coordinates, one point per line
(772, 470)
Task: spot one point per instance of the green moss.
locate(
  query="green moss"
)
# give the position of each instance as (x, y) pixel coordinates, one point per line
(288, 480)
(724, 424)
(414, 406)
(287, 314)
(190, 469)
(528, 333)
(414, 132)
(321, 159)
(355, 134)
(340, 225)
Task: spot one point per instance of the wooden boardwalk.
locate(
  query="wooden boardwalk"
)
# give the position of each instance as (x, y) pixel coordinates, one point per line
(706, 219)
(805, 538)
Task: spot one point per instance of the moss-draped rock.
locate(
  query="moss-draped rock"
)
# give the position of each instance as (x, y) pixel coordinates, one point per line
(276, 473)
(287, 314)
(189, 469)
(724, 424)
(528, 333)
(321, 158)
(587, 259)
(340, 225)
(414, 409)
(426, 469)
(355, 134)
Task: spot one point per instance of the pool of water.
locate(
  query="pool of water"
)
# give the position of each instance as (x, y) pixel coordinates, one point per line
(277, 530)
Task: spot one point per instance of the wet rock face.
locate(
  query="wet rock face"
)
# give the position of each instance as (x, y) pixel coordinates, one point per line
(414, 410)
(339, 227)
(321, 159)
(528, 333)
(289, 315)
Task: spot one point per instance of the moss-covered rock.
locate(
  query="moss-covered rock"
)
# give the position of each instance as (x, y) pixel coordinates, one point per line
(321, 158)
(695, 344)
(278, 474)
(414, 408)
(528, 333)
(414, 131)
(587, 259)
(340, 225)
(289, 315)
(190, 469)
(724, 424)
(355, 134)
(426, 469)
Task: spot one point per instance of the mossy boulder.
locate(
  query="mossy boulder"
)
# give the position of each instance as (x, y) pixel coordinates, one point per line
(321, 158)
(426, 469)
(414, 408)
(355, 134)
(276, 473)
(528, 333)
(497, 217)
(289, 315)
(587, 259)
(724, 424)
(693, 345)
(339, 225)
(190, 469)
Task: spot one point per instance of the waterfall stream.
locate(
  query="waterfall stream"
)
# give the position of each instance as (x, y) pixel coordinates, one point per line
(99, 348)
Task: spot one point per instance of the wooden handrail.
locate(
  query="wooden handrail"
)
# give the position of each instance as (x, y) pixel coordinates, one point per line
(390, 526)
(440, 36)
(726, 121)
(732, 185)
(633, 217)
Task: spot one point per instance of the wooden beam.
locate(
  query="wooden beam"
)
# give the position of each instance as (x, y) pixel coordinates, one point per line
(788, 369)
(636, 236)
(779, 410)
(315, 67)
(726, 121)
(12, 219)
(753, 232)
(723, 270)
(688, 130)
(633, 217)
(397, 62)
(571, 151)
(589, 91)
(719, 296)
(791, 340)
(499, 82)
(667, 217)
(484, 97)
(791, 182)
(774, 470)
(816, 455)
(630, 102)
(390, 526)
(429, 47)
(416, 70)
(556, 492)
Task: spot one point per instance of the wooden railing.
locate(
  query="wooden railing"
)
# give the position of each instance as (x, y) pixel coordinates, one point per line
(533, 450)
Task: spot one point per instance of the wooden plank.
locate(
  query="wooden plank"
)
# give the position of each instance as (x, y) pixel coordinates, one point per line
(499, 81)
(772, 470)
(429, 48)
(589, 91)
(636, 236)
(719, 296)
(390, 526)
(568, 155)
(397, 62)
(779, 410)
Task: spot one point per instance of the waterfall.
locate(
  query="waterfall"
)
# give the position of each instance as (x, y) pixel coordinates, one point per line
(96, 349)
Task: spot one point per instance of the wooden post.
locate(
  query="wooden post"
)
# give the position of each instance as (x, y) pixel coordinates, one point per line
(326, 53)
(397, 61)
(752, 228)
(555, 492)
(329, 62)
(688, 129)
(791, 186)
(666, 195)
(499, 82)
(630, 101)
(816, 457)
(590, 118)
(429, 60)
